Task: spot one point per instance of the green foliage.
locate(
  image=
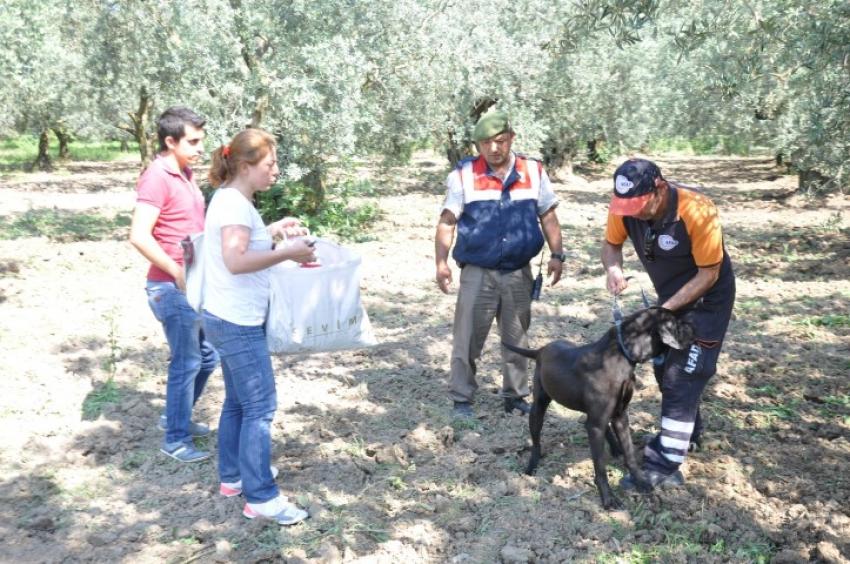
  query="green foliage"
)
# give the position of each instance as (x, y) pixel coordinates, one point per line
(100, 150)
(756, 552)
(334, 80)
(337, 215)
(842, 400)
(63, 225)
(767, 390)
(103, 395)
(20, 151)
(465, 424)
(110, 363)
(701, 145)
(832, 320)
(832, 224)
(340, 526)
(783, 411)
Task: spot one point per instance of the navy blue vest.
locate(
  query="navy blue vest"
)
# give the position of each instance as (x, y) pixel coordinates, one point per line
(499, 227)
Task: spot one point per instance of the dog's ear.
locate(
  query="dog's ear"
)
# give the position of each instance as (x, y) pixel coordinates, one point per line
(676, 333)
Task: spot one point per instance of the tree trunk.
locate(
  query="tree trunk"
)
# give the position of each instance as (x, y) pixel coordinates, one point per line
(456, 149)
(42, 161)
(480, 107)
(315, 199)
(138, 127)
(259, 112)
(558, 157)
(64, 141)
(593, 147)
(253, 47)
(812, 181)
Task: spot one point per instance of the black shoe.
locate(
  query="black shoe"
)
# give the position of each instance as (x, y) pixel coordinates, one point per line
(656, 480)
(517, 403)
(462, 410)
(696, 443)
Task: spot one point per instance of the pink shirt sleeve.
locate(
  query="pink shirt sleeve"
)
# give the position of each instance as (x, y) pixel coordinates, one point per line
(151, 189)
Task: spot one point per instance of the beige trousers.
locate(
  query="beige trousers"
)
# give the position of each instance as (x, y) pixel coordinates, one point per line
(484, 295)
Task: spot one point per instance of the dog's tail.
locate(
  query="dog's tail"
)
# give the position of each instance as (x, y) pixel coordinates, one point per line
(530, 353)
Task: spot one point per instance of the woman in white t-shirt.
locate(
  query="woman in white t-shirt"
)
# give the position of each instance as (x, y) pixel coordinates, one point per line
(238, 251)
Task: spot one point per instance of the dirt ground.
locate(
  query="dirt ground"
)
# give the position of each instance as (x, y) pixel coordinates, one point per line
(364, 439)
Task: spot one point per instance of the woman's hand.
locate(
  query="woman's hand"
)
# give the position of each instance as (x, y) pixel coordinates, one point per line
(287, 227)
(299, 249)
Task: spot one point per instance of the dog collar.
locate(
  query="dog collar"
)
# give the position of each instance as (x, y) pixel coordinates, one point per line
(621, 343)
(617, 313)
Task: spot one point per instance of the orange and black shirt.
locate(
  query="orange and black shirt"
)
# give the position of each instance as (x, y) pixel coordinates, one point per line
(687, 238)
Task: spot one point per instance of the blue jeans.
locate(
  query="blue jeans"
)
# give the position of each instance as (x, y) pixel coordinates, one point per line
(192, 358)
(250, 400)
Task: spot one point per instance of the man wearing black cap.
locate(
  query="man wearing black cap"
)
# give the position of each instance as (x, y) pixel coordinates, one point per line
(676, 234)
(498, 202)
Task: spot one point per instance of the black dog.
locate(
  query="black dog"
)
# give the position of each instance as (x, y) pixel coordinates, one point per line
(598, 379)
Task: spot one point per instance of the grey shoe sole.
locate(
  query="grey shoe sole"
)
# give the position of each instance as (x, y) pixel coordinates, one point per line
(186, 453)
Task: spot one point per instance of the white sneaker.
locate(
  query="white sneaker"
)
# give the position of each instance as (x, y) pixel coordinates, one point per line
(232, 489)
(279, 509)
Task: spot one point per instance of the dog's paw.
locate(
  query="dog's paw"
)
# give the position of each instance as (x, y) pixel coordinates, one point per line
(611, 503)
(643, 486)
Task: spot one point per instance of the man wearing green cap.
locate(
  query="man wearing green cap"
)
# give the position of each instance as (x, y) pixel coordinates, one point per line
(497, 203)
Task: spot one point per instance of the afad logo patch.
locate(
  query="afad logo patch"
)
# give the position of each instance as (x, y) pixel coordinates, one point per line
(623, 184)
(667, 242)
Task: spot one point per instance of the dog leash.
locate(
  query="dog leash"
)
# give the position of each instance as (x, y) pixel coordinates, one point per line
(617, 313)
(618, 323)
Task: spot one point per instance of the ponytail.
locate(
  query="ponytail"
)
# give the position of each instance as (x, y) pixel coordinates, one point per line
(249, 146)
(219, 170)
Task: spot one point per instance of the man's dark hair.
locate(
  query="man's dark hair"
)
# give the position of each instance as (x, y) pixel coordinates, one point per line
(172, 123)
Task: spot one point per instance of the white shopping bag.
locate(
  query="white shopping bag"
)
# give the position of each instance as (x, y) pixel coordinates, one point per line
(316, 307)
(193, 264)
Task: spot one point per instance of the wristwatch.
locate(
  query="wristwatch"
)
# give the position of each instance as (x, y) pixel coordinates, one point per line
(560, 256)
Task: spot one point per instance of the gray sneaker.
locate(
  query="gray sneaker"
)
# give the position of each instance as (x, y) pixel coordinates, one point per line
(290, 514)
(195, 429)
(183, 452)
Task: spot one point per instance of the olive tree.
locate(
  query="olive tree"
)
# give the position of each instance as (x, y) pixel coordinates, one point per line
(142, 57)
(40, 69)
(333, 80)
(776, 73)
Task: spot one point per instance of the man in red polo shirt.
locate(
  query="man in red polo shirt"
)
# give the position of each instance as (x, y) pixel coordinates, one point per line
(169, 207)
(677, 236)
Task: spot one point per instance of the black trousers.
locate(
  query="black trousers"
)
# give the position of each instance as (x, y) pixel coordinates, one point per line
(682, 378)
